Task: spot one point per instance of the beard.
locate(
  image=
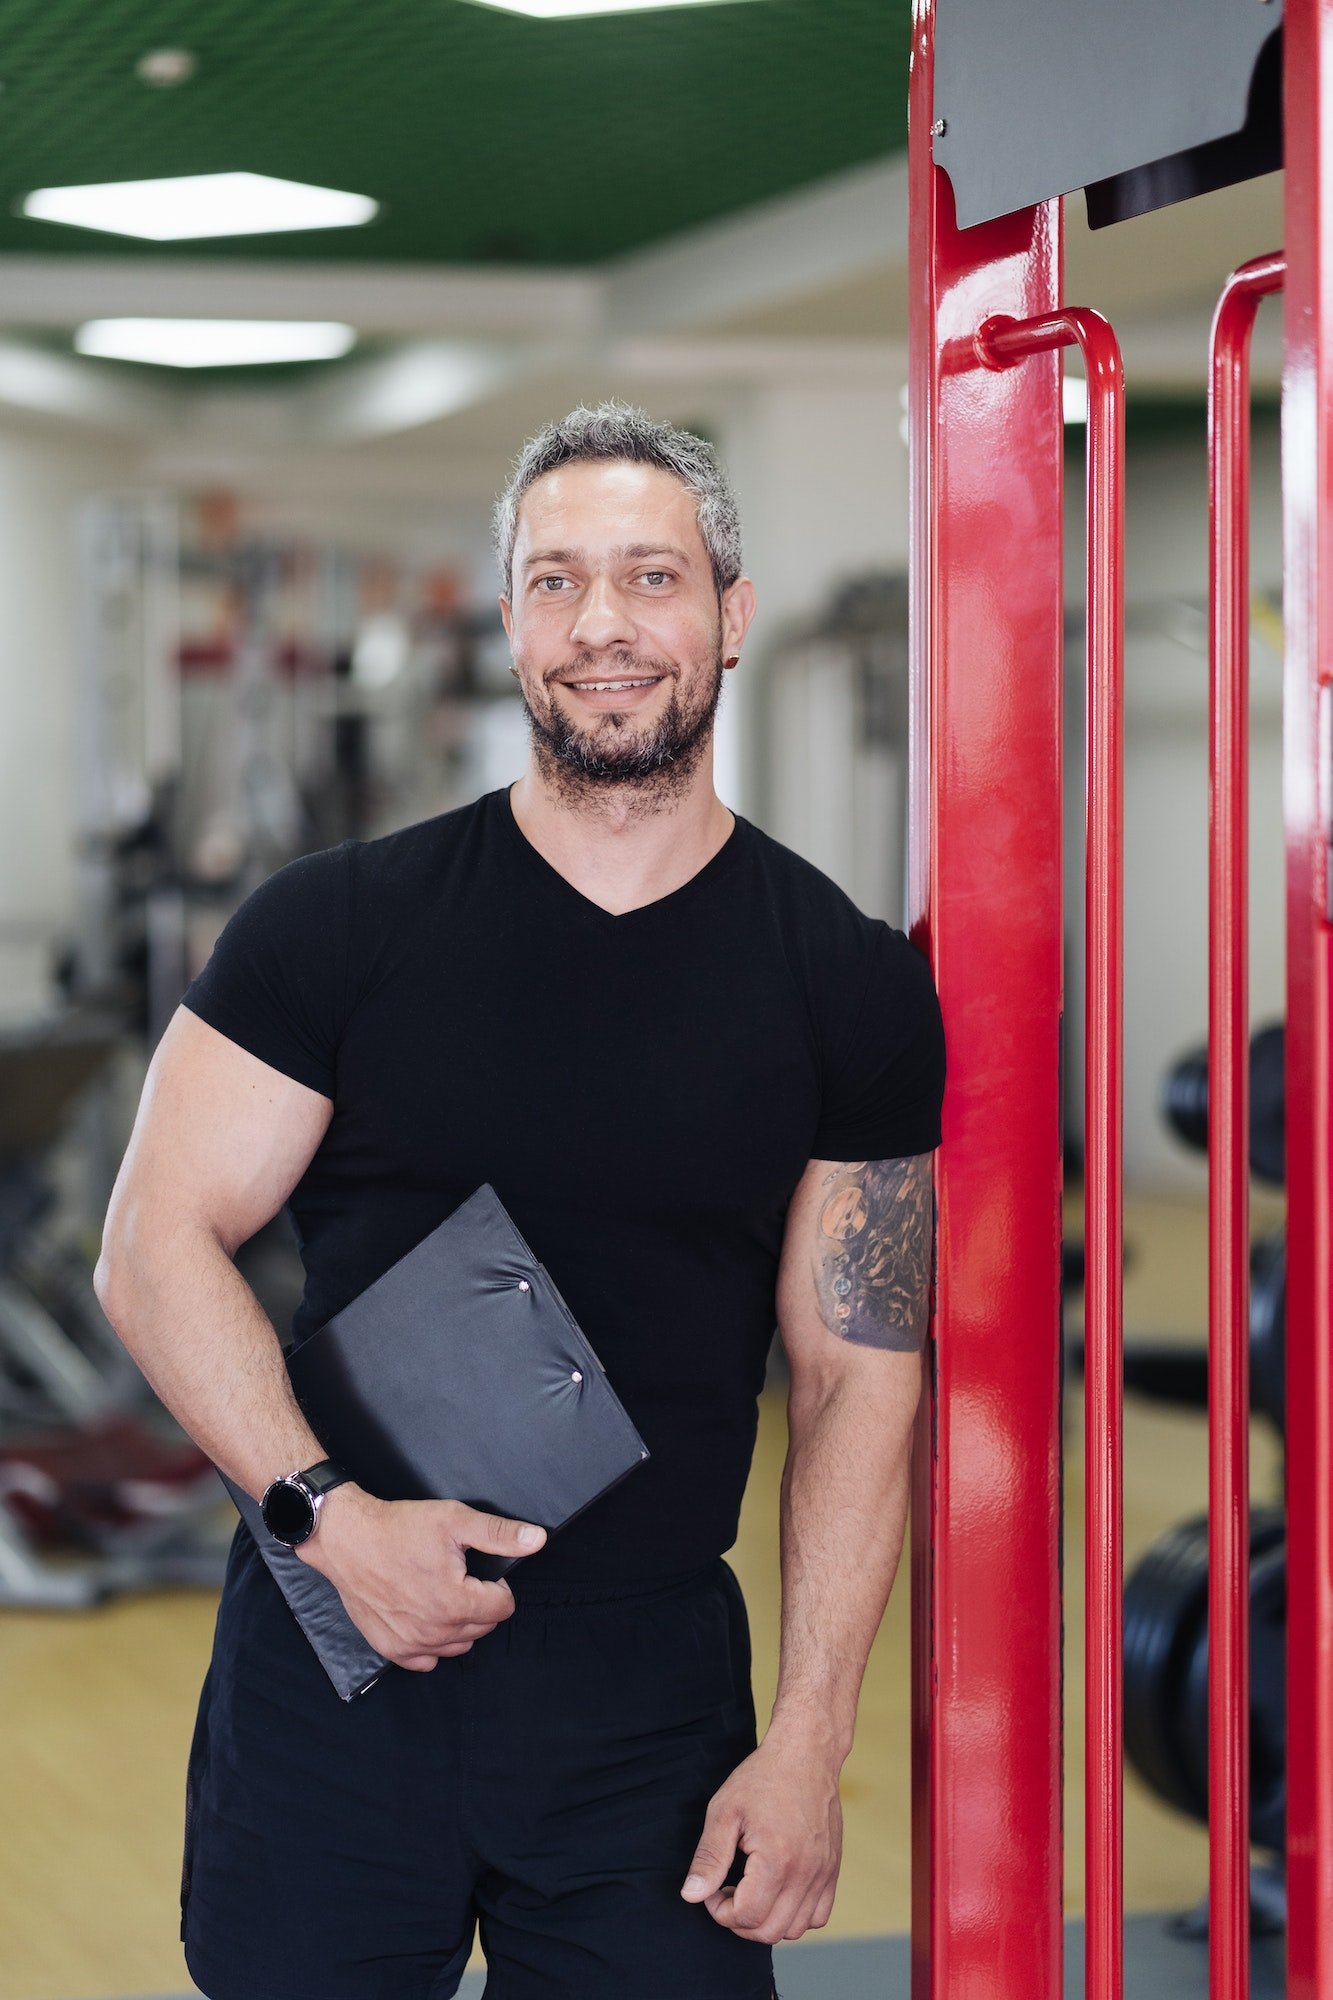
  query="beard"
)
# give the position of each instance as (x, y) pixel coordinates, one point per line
(655, 763)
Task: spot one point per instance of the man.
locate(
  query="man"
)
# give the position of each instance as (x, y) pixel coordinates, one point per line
(707, 1090)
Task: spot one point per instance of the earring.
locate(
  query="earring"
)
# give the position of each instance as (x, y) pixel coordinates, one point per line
(734, 661)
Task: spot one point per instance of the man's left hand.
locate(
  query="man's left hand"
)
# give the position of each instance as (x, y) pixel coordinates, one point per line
(781, 1807)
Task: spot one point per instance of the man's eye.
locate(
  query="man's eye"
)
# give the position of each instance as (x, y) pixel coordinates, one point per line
(656, 576)
(549, 585)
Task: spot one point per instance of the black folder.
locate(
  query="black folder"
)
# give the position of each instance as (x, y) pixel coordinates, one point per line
(460, 1374)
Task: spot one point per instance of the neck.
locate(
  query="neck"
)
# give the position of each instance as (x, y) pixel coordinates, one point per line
(617, 845)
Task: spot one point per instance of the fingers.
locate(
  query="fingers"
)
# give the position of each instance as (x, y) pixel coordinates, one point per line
(484, 1603)
(823, 1909)
(418, 1640)
(405, 1583)
(714, 1855)
(766, 1907)
(494, 1533)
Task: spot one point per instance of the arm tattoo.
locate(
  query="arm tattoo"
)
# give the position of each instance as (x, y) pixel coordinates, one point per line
(872, 1251)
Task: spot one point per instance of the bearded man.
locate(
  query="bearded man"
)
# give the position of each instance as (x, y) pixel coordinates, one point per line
(707, 1089)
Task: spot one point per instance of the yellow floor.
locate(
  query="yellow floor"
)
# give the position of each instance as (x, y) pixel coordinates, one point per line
(98, 1709)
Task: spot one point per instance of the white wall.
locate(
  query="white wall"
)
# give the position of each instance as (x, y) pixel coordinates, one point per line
(43, 475)
(821, 481)
(821, 478)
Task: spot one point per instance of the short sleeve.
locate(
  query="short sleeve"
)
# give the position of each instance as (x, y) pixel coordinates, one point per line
(883, 1093)
(276, 981)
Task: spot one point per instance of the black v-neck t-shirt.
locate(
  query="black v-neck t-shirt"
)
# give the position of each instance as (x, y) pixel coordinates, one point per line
(643, 1092)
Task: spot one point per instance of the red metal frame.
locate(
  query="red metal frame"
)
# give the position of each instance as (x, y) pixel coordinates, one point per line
(1307, 434)
(1228, 1128)
(1001, 343)
(985, 900)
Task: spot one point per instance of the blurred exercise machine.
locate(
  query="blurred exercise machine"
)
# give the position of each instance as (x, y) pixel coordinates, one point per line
(99, 1493)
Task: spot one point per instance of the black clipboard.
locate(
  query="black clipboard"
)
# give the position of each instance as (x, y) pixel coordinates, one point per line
(460, 1374)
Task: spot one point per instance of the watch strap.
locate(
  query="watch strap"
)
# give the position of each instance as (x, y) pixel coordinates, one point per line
(322, 1478)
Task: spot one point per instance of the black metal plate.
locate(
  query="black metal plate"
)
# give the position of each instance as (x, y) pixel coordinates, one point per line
(1039, 97)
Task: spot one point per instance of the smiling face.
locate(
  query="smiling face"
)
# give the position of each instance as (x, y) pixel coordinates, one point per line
(617, 633)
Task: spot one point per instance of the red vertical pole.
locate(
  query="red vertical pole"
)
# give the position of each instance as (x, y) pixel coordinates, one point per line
(985, 900)
(1307, 452)
(1000, 343)
(1104, 1175)
(1228, 1130)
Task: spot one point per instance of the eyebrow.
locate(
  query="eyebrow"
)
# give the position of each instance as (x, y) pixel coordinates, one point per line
(632, 552)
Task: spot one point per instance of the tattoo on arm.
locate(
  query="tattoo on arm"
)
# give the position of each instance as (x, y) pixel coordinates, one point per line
(872, 1251)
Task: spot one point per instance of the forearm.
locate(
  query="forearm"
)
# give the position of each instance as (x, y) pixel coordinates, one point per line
(203, 1340)
(843, 1512)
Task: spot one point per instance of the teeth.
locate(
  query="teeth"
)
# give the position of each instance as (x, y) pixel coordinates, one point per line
(608, 687)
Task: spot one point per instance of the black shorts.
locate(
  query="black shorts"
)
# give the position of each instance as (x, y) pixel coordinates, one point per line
(549, 1786)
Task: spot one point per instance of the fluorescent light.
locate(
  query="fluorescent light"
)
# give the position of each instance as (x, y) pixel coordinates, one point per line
(213, 343)
(199, 205)
(571, 10)
(165, 68)
(1075, 397)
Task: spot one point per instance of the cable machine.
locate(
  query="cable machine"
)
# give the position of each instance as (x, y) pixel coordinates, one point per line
(1014, 103)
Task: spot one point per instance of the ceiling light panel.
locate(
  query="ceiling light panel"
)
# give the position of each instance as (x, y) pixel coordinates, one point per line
(195, 205)
(573, 10)
(214, 343)
(444, 113)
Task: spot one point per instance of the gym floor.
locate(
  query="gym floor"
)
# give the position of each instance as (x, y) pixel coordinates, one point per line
(98, 1707)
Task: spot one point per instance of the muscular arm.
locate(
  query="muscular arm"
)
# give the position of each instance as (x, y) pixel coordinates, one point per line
(219, 1142)
(853, 1301)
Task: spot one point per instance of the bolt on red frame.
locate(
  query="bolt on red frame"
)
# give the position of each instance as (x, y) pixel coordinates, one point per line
(1000, 343)
(1228, 1127)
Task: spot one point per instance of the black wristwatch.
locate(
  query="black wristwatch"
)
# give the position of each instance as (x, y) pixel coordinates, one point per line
(291, 1505)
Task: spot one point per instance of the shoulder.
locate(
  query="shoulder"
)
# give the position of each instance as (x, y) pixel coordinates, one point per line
(396, 864)
(831, 944)
(336, 900)
(307, 893)
(870, 997)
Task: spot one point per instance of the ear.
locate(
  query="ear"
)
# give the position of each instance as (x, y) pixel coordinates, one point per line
(737, 611)
(507, 617)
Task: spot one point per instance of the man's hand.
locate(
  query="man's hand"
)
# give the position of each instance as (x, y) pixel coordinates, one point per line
(781, 1807)
(400, 1568)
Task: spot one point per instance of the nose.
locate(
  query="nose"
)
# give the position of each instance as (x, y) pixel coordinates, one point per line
(604, 617)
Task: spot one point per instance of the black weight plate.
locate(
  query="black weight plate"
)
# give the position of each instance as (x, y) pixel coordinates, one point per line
(1166, 1605)
(1268, 1723)
(1166, 1629)
(1268, 1104)
(1268, 1700)
(1268, 1327)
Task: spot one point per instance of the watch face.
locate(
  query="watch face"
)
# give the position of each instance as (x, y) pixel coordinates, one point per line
(289, 1513)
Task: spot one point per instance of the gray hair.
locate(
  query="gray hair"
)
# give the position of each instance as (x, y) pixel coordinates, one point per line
(619, 431)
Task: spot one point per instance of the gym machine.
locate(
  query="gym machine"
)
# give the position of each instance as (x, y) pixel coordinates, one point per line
(829, 741)
(99, 1492)
(1013, 104)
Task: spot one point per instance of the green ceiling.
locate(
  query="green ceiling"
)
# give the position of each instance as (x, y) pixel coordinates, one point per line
(486, 137)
